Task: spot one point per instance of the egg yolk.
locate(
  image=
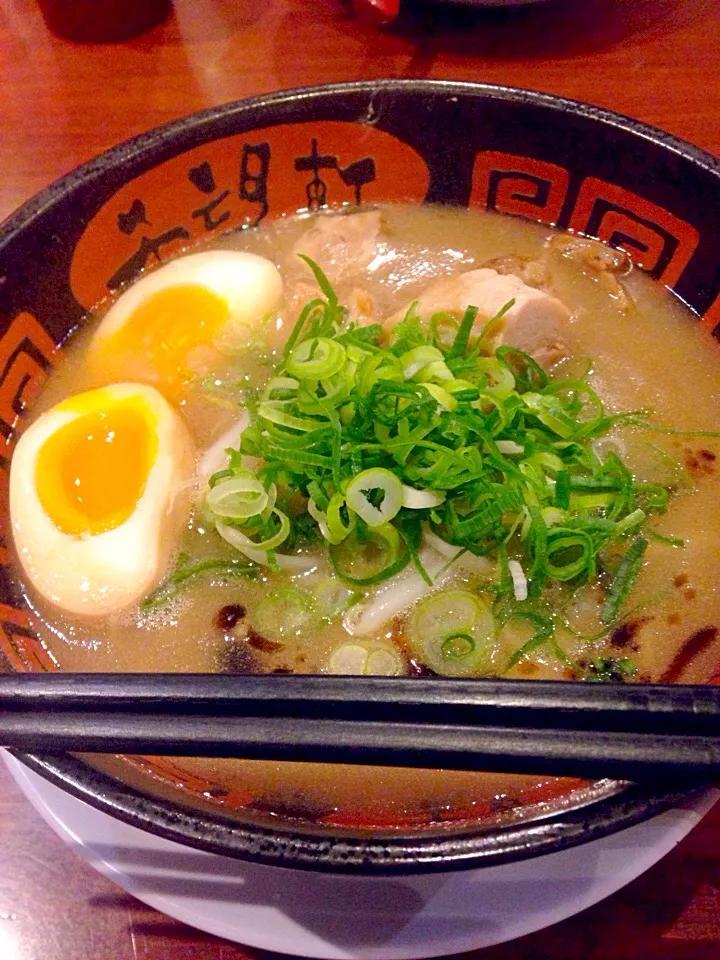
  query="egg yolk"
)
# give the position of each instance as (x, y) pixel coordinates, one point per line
(90, 473)
(167, 329)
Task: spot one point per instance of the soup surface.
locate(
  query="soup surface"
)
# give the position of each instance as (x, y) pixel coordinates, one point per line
(644, 606)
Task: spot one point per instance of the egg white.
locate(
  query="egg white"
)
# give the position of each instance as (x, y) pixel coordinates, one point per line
(250, 285)
(104, 573)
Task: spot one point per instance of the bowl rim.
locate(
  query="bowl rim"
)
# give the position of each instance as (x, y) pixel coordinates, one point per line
(362, 855)
(401, 853)
(142, 144)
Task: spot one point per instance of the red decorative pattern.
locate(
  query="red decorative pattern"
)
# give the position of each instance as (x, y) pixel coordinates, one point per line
(517, 185)
(26, 353)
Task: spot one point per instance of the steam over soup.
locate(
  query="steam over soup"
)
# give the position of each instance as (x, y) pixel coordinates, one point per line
(397, 441)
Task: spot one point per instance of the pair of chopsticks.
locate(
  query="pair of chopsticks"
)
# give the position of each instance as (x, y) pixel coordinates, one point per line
(633, 731)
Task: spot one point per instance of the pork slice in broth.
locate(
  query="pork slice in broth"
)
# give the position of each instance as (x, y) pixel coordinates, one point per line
(597, 261)
(534, 272)
(535, 323)
(344, 245)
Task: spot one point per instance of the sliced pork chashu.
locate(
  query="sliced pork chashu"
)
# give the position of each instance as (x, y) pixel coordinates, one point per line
(535, 323)
(342, 244)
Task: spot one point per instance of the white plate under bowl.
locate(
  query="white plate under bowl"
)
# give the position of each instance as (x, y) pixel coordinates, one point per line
(340, 917)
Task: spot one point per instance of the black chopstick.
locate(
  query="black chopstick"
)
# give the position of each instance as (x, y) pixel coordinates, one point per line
(632, 731)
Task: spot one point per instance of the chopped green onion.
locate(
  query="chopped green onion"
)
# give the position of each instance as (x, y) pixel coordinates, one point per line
(463, 335)
(552, 516)
(493, 322)
(453, 633)
(502, 382)
(435, 370)
(611, 670)
(358, 659)
(286, 387)
(631, 522)
(307, 312)
(321, 280)
(376, 367)
(562, 490)
(591, 501)
(362, 560)
(276, 411)
(337, 526)
(527, 373)
(283, 612)
(370, 446)
(446, 400)
(519, 580)
(624, 581)
(381, 485)
(184, 573)
(414, 499)
(543, 632)
(316, 359)
(237, 539)
(551, 413)
(664, 538)
(652, 496)
(462, 390)
(331, 598)
(332, 525)
(509, 447)
(320, 517)
(457, 646)
(417, 358)
(570, 554)
(237, 498)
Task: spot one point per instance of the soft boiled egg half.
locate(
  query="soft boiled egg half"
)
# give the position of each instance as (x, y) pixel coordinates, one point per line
(98, 491)
(176, 323)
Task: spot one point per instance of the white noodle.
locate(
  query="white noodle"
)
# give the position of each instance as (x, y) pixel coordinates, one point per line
(215, 458)
(394, 597)
(294, 563)
(465, 561)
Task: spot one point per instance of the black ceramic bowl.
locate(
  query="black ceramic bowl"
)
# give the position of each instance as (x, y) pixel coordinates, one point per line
(520, 153)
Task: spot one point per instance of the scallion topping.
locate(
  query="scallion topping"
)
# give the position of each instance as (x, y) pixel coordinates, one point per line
(627, 573)
(453, 632)
(381, 440)
(375, 495)
(187, 571)
(368, 556)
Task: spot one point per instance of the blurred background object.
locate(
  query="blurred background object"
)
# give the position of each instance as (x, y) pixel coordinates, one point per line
(381, 12)
(102, 21)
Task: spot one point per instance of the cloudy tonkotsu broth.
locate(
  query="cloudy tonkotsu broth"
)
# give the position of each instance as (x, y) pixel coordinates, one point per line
(646, 351)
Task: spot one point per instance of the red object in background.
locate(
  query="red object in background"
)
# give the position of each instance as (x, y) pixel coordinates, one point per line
(102, 21)
(376, 12)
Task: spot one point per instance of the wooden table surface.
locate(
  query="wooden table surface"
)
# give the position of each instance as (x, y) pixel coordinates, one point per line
(60, 104)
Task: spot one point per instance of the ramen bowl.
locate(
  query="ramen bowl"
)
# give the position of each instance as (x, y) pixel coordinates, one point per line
(524, 154)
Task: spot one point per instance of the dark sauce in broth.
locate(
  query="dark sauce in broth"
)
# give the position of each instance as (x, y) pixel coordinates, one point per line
(647, 351)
